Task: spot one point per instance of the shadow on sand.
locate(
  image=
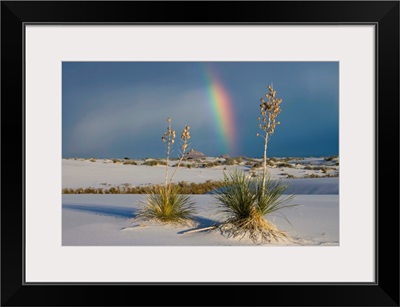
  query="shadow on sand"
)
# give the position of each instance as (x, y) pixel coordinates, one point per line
(118, 212)
(202, 222)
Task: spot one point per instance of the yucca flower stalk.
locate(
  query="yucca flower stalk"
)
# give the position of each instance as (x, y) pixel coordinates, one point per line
(185, 137)
(269, 110)
(169, 139)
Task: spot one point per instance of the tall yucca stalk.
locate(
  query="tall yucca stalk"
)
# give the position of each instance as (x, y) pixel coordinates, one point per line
(185, 137)
(269, 110)
(169, 138)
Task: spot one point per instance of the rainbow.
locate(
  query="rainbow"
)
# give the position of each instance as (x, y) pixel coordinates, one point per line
(222, 110)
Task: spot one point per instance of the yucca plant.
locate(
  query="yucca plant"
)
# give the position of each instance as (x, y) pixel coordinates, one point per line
(245, 201)
(166, 204)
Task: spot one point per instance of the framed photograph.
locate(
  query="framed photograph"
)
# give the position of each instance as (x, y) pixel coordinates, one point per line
(239, 147)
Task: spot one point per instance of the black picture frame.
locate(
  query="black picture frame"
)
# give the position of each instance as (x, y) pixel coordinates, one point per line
(383, 14)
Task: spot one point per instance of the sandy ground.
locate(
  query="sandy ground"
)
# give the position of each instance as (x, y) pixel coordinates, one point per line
(110, 219)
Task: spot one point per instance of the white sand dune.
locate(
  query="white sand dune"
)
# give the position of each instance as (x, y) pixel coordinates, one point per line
(109, 220)
(103, 173)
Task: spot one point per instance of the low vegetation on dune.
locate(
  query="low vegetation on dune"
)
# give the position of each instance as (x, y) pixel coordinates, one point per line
(326, 167)
(168, 205)
(245, 202)
(184, 186)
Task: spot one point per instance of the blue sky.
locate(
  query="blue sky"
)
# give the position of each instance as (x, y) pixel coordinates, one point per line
(119, 109)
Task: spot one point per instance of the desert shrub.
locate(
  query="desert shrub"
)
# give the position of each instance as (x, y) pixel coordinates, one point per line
(330, 158)
(114, 190)
(256, 165)
(212, 164)
(129, 162)
(201, 188)
(154, 162)
(83, 191)
(238, 159)
(68, 191)
(230, 161)
(313, 168)
(251, 160)
(185, 188)
(150, 162)
(285, 164)
(246, 200)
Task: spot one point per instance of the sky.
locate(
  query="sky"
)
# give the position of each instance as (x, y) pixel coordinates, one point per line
(120, 109)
